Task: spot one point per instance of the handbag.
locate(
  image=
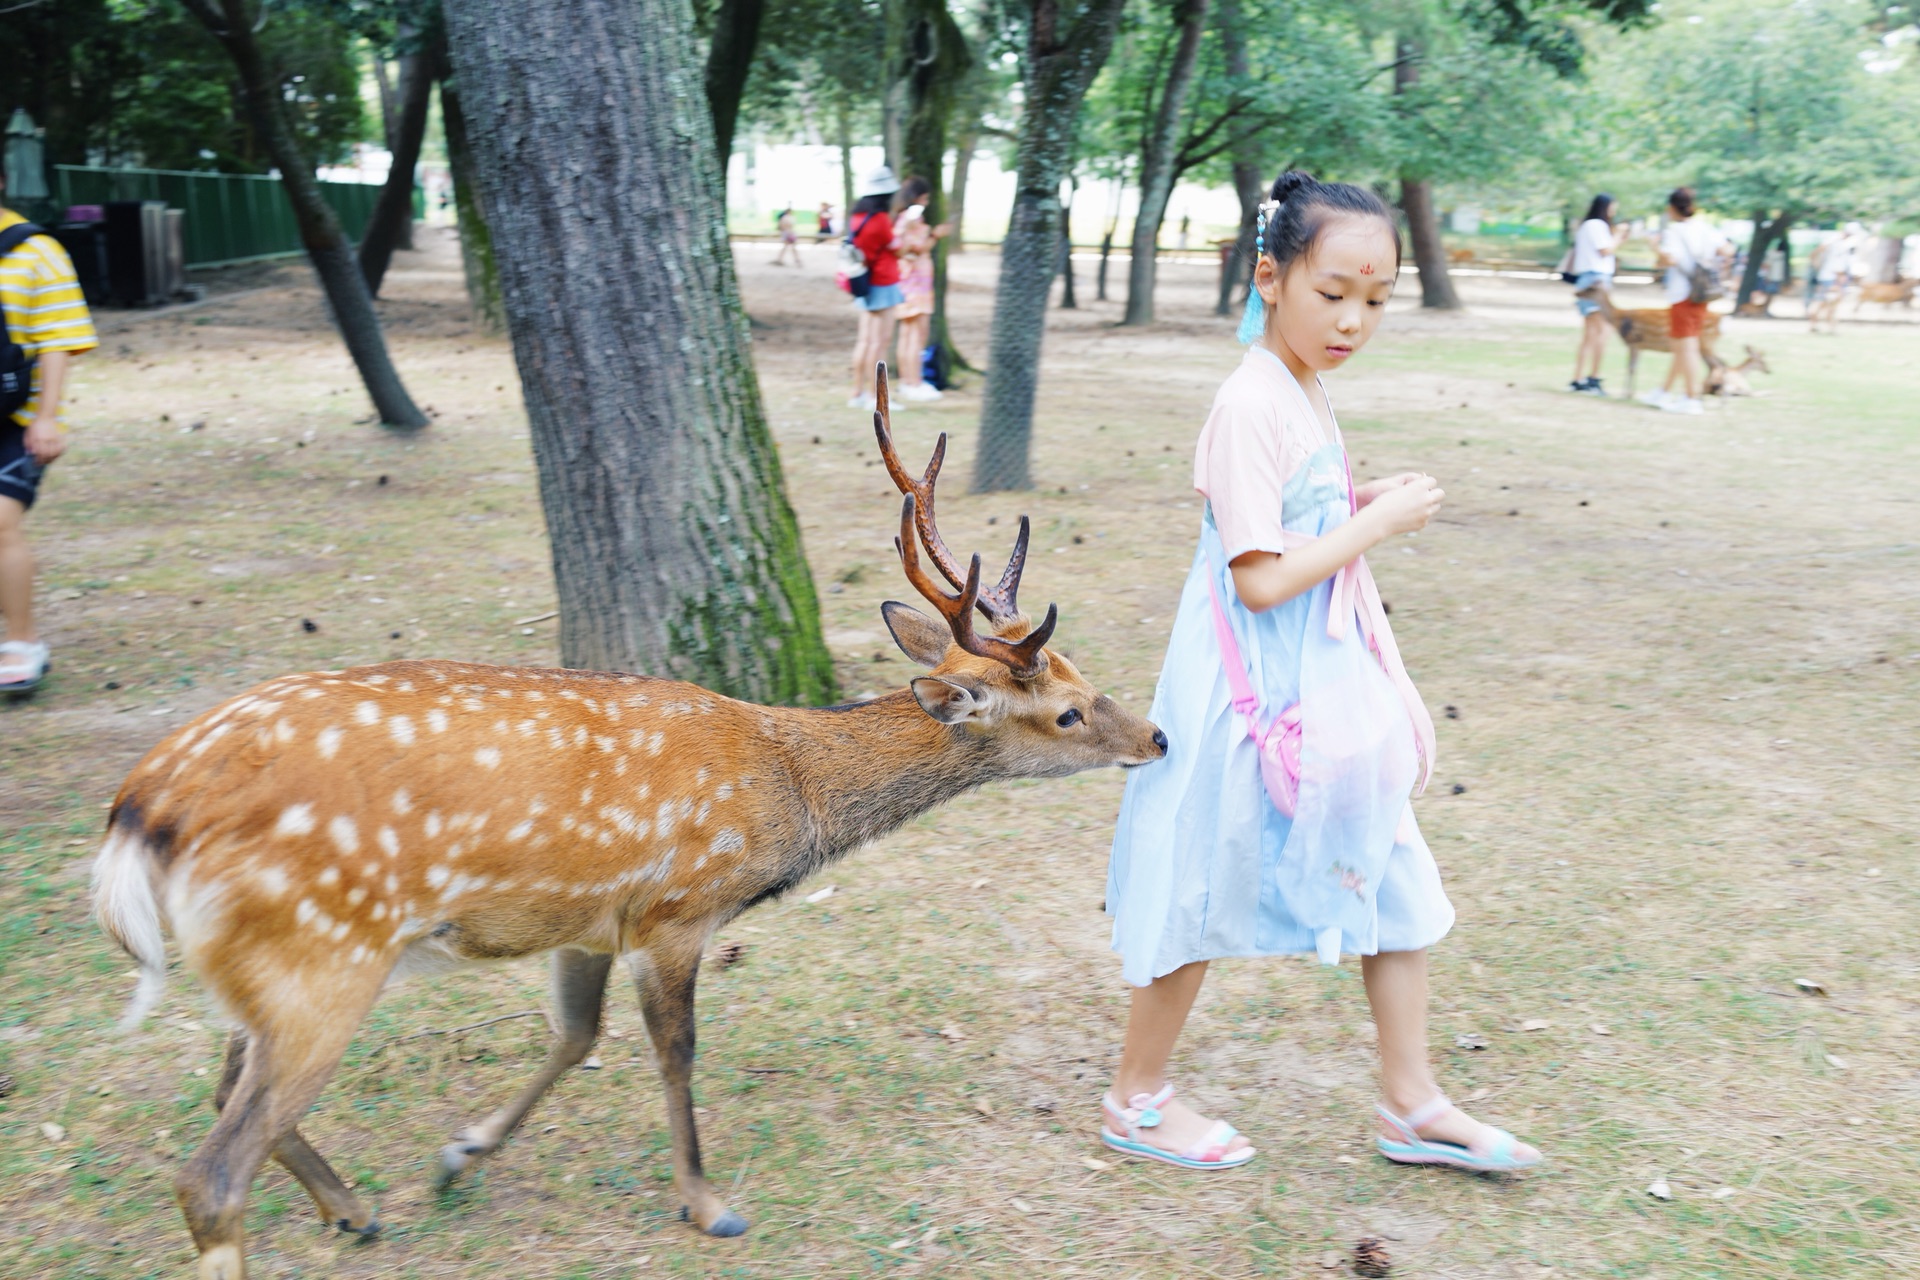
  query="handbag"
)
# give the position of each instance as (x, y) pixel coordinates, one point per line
(1279, 741)
(1703, 282)
(1565, 269)
(16, 362)
(854, 277)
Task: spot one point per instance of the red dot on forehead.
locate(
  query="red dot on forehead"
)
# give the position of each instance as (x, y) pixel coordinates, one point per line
(1367, 270)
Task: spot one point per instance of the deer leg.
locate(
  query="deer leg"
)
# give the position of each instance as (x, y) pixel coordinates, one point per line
(281, 1073)
(579, 988)
(665, 976)
(337, 1205)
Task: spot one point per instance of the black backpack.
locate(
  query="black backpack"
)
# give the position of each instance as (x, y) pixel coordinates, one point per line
(16, 366)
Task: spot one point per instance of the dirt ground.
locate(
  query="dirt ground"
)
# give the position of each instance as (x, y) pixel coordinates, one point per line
(1673, 661)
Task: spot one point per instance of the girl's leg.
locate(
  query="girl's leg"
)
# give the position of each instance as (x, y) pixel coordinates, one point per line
(862, 367)
(1686, 355)
(1397, 991)
(1596, 343)
(913, 341)
(1153, 1025)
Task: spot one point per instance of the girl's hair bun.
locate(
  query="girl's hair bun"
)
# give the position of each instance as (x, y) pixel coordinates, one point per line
(1289, 182)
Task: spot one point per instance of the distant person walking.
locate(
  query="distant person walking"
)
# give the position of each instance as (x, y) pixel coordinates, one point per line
(1832, 271)
(825, 233)
(1693, 254)
(789, 239)
(916, 240)
(870, 229)
(47, 324)
(1595, 246)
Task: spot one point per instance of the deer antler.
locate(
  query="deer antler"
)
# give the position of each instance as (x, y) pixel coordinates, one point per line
(999, 603)
(1025, 656)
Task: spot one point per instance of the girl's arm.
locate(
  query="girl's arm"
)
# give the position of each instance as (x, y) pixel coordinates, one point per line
(1264, 580)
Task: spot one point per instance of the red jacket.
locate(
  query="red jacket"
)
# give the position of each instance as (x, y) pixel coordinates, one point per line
(875, 238)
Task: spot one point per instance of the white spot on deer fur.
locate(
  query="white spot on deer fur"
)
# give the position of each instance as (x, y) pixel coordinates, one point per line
(401, 727)
(433, 824)
(520, 830)
(487, 757)
(329, 742)
(340, 930)
(526, 728)
(603, 742)
(727, 840)
(344, 834)
(377, 679)
(330, 876)
(700, 814)
(626, 821)
(437, 720)
(305, 911)
(218, 733)
(402, 802)
(723, 792)
(438, 875)
(405, 686)
(356, 895)
(367, 713)
(389, 842)
(474, 704)
(308, 695)
(359, 954)
(654, 743)
(272, 881)
(701, 775)
(455, 849)
(379, 911)
(295, 820)
(536, 806)
(673, 895)
(393, 883)
(283, 731)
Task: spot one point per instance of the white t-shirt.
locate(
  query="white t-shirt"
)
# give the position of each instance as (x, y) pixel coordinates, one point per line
(1593, 248)
(1690, 244)
(1837, 260)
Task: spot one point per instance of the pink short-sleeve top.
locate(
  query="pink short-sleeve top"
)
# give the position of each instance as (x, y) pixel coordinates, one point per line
(1260, 431)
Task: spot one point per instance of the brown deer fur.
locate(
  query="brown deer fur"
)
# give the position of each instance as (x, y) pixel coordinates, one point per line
(1725, 379)
(1900, 293)
(320, 836)
(1648, 329)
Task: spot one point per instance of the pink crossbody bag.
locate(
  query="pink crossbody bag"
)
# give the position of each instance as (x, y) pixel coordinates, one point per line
(1279, 741)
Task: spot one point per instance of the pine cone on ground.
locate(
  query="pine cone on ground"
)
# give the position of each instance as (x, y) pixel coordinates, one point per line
(728, 952)
(1370, 1258)
(6, 1085)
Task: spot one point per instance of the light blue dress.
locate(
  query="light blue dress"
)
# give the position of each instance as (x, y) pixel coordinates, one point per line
(1204, 866)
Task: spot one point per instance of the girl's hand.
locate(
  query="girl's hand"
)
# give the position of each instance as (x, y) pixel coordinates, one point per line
(1374, 488)
(1406, 508)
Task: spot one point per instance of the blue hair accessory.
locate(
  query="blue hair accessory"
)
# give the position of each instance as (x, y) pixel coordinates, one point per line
(1253, 321)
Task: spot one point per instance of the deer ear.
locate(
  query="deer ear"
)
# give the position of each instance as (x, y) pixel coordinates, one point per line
(919, 637)
(946, 701)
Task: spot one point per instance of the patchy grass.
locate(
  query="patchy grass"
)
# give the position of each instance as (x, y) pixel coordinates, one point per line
(1674, 661)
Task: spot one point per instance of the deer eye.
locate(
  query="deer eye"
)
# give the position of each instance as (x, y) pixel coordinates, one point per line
(1069, 718)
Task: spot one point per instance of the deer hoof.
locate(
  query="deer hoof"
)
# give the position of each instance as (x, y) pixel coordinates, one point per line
(368, 1230)
(728, 1224)
(455, 1158)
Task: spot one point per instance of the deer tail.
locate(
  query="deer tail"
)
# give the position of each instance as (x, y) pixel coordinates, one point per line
(125, 906)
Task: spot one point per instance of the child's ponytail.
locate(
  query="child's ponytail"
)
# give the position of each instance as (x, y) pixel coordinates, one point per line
(1289, 222)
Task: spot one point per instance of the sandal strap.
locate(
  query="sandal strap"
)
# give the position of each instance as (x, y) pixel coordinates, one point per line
(1144, 1111)
(1213, 1147)
(1438, 1106)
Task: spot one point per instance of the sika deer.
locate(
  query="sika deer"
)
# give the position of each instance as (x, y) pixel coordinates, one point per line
(1648, 329)
(318, 837)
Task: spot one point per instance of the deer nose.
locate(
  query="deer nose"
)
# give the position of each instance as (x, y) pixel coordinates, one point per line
(1160, 740)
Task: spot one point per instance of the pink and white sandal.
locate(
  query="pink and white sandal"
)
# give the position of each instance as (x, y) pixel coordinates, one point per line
(1504, 1153)
(1144, 1113)
(23, 665)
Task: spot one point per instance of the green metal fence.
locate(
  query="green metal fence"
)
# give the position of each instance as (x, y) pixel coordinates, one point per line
(231, 217)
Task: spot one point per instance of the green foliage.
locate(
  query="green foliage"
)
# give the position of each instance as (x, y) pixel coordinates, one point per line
(141, 82)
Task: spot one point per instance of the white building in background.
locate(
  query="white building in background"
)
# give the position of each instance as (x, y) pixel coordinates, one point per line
(764, 178)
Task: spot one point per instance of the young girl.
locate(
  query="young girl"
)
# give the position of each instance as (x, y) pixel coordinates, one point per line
(1205, 862)
(1595, 249)
(916, 240)
(871, 229)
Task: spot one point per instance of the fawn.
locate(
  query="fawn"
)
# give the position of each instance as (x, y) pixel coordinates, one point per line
(321, 836)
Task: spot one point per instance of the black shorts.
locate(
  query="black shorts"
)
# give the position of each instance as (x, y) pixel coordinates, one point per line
(19, 473)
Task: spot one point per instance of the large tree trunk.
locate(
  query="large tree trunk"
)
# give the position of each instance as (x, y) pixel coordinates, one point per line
(1157, 160)
(938, 60)
(1765, 233)
(675, 551)
(1249, 184)
(232, 23)
(391, 224)
(476, 244)
(843, 139)
(963, 149)
(736, 32)
(1059, 67)
(1416, 202)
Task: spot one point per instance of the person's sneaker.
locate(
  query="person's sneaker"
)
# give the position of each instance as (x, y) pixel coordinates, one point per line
(1594, 388)
(1577, 386)
(921, 391)
(23, 665)
(1657, 398)
(1683, 404)
(862, 401)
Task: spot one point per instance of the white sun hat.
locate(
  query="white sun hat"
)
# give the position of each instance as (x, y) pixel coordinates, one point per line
(880, 182)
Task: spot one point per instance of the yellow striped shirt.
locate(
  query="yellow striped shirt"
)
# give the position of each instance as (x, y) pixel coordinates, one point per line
(45, 309)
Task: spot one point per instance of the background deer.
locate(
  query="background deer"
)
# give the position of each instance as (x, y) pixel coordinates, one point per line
(321, 836)
(1646, 329)
(1898, 293)
(1725, 379)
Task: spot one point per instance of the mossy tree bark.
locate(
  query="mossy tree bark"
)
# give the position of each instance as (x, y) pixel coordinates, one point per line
(232, 23)
(1249, 184)
(675, 551)
(1062, 59)
(476, 244)
(1765, 235)
(1158, 160)
(938, 60)
(1416, 203)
